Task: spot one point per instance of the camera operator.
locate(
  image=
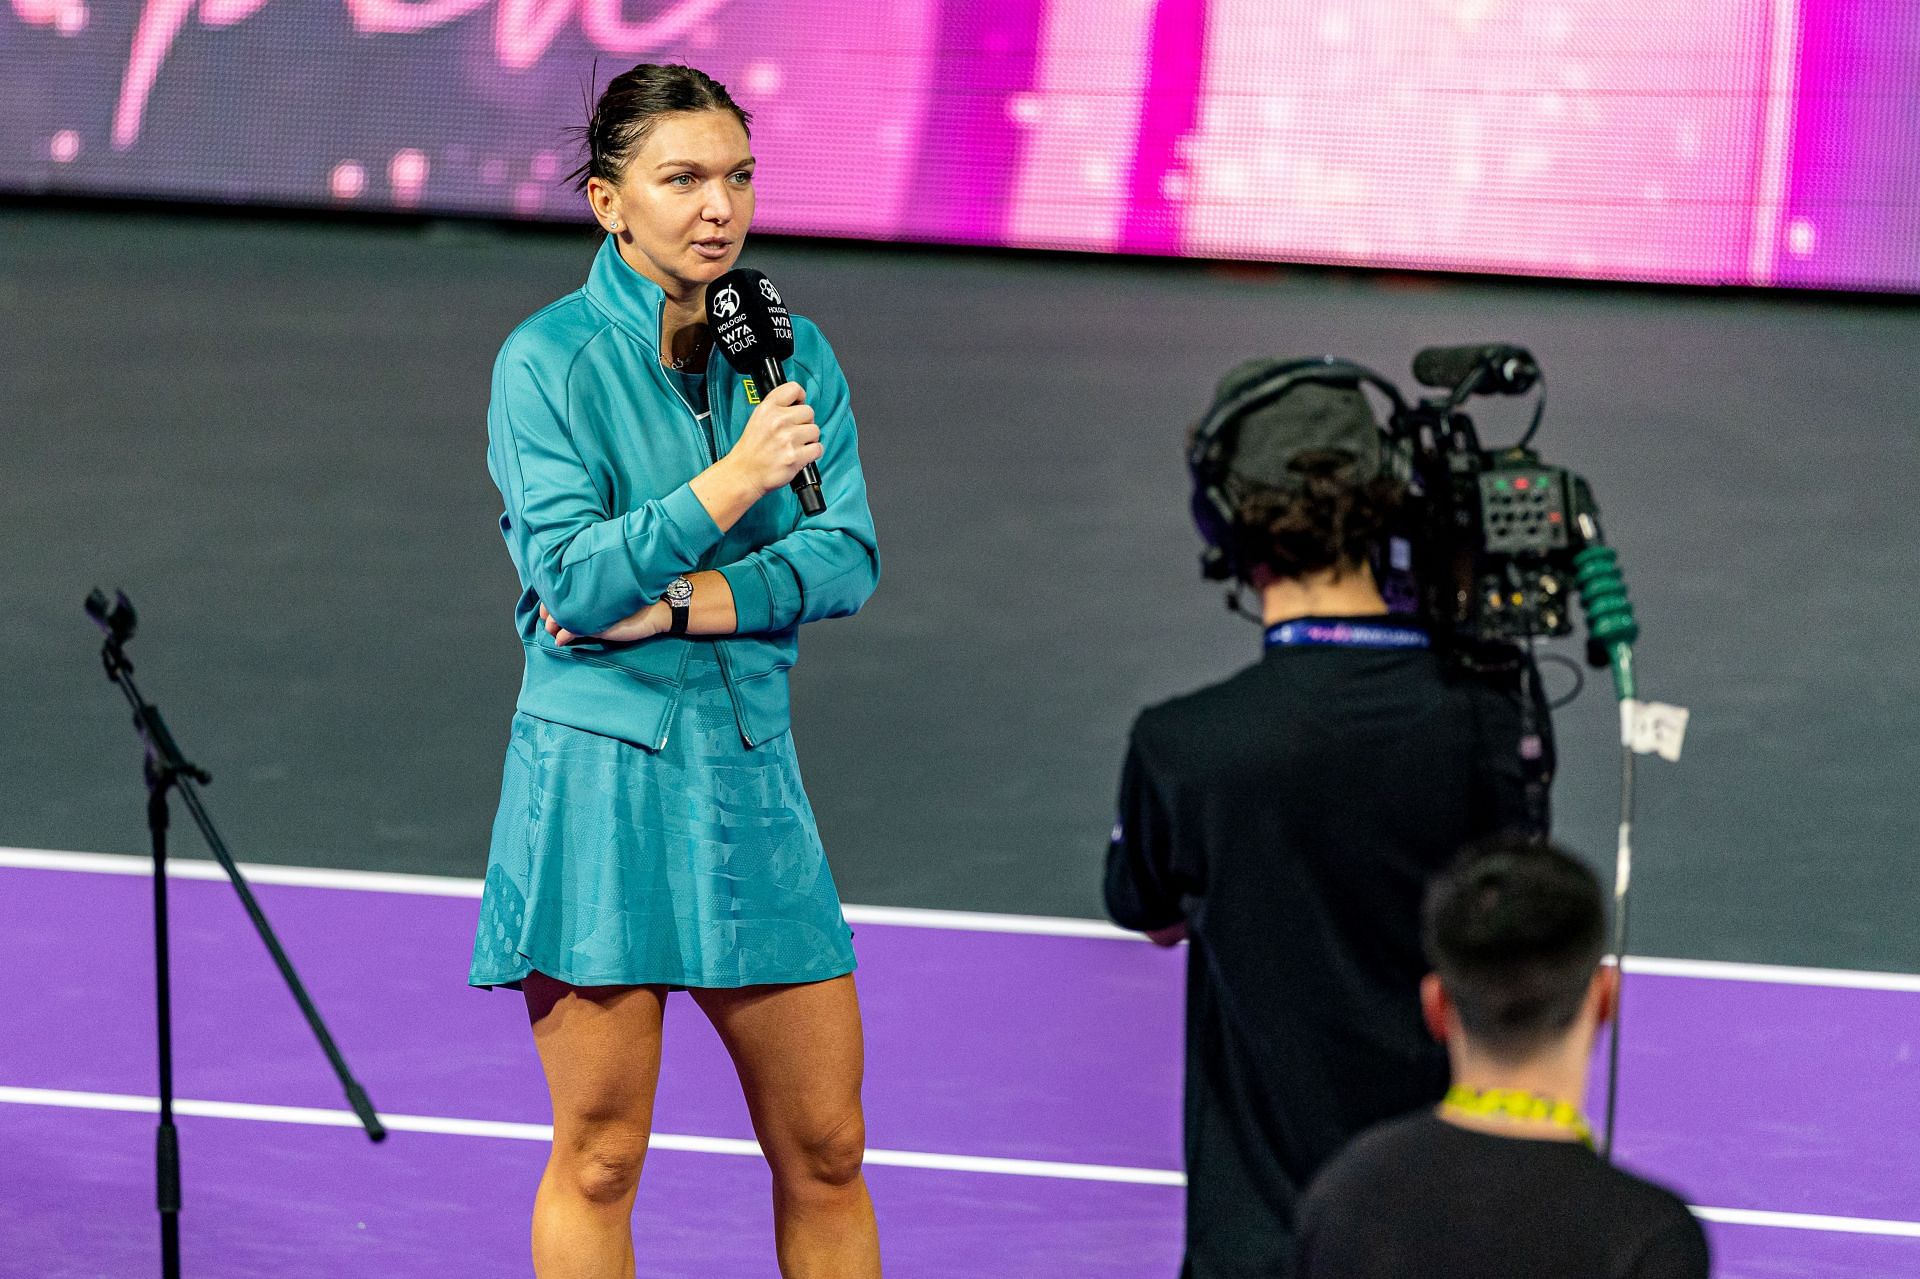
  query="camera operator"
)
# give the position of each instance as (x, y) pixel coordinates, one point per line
(1501, 1179)
(1287, 819)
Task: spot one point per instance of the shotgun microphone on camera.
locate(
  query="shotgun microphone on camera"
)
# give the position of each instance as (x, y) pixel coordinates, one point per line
(1501, 369)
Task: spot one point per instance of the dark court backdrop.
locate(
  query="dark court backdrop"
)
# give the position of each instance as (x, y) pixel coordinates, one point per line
(272, 435)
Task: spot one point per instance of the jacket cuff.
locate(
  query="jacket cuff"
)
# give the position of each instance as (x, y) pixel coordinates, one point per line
(752, 603)
(694, 530)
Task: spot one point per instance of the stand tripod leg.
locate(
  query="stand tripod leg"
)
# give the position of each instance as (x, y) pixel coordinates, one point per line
(167, 1139)
(165, 768)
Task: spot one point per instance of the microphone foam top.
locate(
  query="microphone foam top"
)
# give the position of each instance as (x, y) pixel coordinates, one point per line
(749, 319)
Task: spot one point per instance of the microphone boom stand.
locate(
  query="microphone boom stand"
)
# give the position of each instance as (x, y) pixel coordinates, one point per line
(165, 769)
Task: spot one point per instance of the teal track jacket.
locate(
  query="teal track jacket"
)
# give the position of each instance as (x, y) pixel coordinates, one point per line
(592, 447)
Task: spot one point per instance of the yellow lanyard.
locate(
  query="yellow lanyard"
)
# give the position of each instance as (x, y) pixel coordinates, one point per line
(1517, 1103)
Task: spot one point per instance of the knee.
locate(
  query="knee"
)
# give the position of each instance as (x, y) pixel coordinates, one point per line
(602, 1165)
(828, 1157)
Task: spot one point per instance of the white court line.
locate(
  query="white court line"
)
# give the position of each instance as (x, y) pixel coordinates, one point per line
(440, 1125)
(317, 1117)
(1810, 1221)
(1774, 974)
(369, 881)
(893, 916)
(977, 922)
(378, 881)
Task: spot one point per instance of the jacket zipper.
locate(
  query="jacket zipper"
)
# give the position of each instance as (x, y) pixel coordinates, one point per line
(713, 456)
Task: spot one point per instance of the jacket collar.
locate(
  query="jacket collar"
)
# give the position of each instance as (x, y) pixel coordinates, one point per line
(629, 297)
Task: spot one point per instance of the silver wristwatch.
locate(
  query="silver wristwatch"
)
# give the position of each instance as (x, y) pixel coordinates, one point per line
(679, 598)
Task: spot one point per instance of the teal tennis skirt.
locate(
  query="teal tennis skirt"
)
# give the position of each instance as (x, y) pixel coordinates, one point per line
(698, 864)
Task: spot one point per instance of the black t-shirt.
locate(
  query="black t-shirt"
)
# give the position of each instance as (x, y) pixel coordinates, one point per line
(1423, 1197)
(1293, 815)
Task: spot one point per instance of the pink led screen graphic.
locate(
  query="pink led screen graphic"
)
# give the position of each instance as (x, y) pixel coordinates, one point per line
(1735, 141)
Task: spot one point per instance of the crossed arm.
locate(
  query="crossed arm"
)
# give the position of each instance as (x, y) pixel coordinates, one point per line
(709, 613)
(602, 578)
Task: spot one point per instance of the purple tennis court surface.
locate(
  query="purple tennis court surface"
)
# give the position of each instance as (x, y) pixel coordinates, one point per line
(1022, 1096)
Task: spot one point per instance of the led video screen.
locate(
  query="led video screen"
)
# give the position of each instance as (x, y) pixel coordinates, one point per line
(1719, 141)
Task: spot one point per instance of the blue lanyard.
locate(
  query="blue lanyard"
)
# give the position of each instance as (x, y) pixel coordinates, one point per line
(1345, 635)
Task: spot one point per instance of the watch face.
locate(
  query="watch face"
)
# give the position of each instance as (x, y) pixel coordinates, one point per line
(679, 592)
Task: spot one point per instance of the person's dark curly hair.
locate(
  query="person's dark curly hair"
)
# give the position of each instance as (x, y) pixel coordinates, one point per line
(1328, 520)
(629, 107)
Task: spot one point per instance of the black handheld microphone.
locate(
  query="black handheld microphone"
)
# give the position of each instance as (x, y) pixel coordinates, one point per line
(1508, 370)
(752, 326)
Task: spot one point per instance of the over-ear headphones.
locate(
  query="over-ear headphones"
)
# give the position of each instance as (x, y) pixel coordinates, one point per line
(1210, 452)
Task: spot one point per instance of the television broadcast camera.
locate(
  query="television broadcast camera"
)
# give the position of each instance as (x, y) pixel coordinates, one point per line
(1494, 543)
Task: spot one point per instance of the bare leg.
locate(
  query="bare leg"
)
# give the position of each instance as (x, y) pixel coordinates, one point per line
(801, 1058)
(600, 1046)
